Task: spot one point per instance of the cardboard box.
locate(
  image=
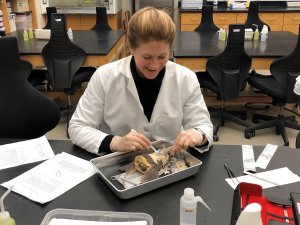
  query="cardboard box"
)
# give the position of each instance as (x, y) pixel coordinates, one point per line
(23, 20)
(19, 5)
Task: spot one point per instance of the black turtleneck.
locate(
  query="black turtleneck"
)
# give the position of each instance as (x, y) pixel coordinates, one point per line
(148, 91)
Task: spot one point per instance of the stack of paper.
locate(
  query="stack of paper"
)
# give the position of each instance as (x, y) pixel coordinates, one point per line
(25, 152)
(51, 178)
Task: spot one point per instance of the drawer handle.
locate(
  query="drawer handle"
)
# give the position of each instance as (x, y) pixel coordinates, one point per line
(272, 19)
(194, 19)
(222, 18)
(296, 18)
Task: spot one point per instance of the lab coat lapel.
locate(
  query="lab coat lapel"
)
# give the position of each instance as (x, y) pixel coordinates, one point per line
(130, 84)
(132, 89)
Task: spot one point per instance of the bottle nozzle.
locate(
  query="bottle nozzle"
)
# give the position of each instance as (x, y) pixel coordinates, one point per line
(199, 199)
(255, 25)
(2, 198)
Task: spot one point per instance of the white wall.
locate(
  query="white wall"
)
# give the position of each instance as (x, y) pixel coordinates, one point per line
(126, 5)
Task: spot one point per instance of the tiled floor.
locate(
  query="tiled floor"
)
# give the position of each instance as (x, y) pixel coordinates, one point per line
(230, 134)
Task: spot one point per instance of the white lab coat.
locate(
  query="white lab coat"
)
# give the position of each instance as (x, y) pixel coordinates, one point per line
(111, 105)
(297, 86)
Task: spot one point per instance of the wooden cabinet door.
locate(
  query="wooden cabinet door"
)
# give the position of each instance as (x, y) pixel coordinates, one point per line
(224, 19)
(74, 21)
(189, 21)
(291, 22)
(190, 18)
(188, 27)
(274, 20)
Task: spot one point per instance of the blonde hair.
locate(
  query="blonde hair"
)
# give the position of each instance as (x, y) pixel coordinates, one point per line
(150, 24)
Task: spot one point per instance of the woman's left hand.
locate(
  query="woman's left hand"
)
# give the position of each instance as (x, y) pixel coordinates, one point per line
(187, 138)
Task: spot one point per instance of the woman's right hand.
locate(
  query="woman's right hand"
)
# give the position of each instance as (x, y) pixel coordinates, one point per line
(132, 141)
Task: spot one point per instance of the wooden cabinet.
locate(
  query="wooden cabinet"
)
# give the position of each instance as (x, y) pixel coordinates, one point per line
(287, 21)
(291, 22)
(74, 21)
(224, 19)
(189, 21)
(274, 20)
(241, 17)
(87, 21)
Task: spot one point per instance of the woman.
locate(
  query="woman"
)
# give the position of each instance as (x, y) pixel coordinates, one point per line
(143, 97)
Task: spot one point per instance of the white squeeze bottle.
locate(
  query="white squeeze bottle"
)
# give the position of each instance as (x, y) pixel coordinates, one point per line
(188, 207)
(70, 34)
(264, 33)
(5, 218)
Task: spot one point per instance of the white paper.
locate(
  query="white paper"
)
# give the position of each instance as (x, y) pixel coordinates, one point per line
(51, 178)
(248, 158)
(83, 222)
(266, 156)
(281, 176)
(25, 152)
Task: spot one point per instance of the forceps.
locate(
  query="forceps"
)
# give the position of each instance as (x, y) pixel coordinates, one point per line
(231, 174)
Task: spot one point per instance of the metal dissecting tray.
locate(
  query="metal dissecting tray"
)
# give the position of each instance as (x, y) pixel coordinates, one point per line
(108, 165)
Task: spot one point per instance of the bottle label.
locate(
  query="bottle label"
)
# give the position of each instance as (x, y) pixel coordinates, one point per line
(189, 210)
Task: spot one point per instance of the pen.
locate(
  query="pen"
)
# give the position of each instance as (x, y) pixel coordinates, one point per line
(231, 174)
(261, 178)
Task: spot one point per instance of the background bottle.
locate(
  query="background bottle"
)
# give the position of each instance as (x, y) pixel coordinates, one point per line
(226, 31)
(30, 33)
(228, 3)
(70, 34)
(25, 35)
(264, 33)
(222, 35)
(215, 3)
(256, 34)
(247, 4)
